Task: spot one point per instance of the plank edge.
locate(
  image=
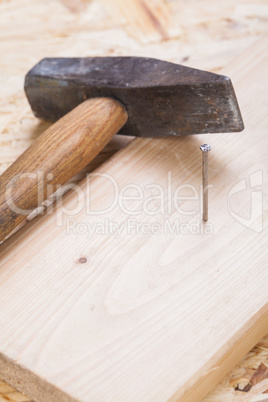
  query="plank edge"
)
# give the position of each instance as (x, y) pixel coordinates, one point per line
(29, 383)
(238, 346)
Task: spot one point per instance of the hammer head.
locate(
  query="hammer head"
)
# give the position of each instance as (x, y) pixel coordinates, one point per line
(161, 98)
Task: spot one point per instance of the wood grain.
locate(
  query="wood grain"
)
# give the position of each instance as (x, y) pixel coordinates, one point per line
(140, 316)
(148, 21)
(55, 157)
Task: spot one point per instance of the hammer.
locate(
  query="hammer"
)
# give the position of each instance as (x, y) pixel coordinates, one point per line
(92, 99)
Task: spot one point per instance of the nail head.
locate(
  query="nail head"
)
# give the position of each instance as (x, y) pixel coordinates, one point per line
(205, 147)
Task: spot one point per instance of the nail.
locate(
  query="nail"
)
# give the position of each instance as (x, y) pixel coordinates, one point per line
(205, 148)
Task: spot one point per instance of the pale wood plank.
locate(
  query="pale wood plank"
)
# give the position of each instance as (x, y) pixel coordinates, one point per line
(145, 317)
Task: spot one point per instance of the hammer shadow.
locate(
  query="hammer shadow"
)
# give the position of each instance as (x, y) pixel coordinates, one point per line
(39, 128)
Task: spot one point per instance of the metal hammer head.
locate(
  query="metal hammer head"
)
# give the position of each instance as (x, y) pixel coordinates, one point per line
(161, 98)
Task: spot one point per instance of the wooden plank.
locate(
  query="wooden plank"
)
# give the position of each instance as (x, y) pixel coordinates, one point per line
(141, 316)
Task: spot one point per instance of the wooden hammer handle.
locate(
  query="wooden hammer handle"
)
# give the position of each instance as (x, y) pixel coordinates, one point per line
(55, 157)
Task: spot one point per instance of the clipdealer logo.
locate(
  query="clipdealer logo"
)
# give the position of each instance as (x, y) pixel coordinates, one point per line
(178, 208)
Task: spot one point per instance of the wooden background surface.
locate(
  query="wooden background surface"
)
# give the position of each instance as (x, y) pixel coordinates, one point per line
(205, 34)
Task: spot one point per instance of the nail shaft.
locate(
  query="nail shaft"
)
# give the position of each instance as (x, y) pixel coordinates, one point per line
(205, 148)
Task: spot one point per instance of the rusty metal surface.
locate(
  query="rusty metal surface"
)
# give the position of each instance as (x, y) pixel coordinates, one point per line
(161, 98)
